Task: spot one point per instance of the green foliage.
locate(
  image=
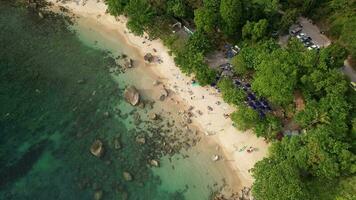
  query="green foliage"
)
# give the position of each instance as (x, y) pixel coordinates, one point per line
(353, 130)
(340, 17)
(330, 110)
(276, 78)
(173, 42)
(239, 64)
(230, 93)
(205, 75)
(268, 127)
(255, 30)
(335, 55)
(177, 8)
(318, 83)
(187, 61)
(346, 189)
(278, 181)
(288, 18)
(245, 118)
(348, 35)
(116, 7)
(140, 15)
(251, 56)
(205, 19)
(231, 14)
(190, 59)
(303, 6)
(199, 42)
(325, 156)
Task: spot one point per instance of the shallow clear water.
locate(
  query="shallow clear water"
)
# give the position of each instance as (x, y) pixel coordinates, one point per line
(49, 118)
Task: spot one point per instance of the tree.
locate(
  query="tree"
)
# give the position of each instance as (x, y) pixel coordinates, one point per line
(325, 156)
(231, 14)
(205, 75)
(177, 8)
(205, 19)
(116, 7)
(239, 64)
(334, 55)
(190, 59)
(230, 93)
(255, 30)
(276, 78)
(268, 127)
(346, 189)
(140, 15)
(278, 180)
(321, 82)
(288, 19)
(244, 117)
(199, 42)
(187, 61)
(331, 110)
(348, 35)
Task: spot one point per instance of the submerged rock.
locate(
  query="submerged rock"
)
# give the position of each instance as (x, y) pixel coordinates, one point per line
(140, 140)
(127, 176)
(98, 195)
(154, 163)
(153, 116)
(97, 148)
(117, 143)
(81, 81)
(215, 158)
(40, 15)
(131, 95)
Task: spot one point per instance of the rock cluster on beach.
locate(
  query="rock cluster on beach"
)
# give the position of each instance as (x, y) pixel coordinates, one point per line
(132, 95)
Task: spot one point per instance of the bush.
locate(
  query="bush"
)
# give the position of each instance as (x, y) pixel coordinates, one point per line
(230, 93)
(244, 117)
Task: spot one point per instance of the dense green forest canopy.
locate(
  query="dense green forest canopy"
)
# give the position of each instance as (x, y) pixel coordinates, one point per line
(320, 162)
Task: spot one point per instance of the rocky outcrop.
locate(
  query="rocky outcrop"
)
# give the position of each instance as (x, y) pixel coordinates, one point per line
(163, 94)
(98, 195)
(153, 116)
(140, 140)
(132, 96)
(127, 176)
(154, 163)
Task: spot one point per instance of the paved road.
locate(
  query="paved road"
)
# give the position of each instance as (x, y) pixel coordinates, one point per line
(313, 31)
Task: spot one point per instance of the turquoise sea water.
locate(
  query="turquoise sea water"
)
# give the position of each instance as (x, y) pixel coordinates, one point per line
(57, 97)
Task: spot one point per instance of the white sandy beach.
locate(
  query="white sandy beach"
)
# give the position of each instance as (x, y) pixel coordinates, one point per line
(220, 130)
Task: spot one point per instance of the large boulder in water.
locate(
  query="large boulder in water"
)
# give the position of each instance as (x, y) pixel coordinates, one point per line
(98, 195)
(97, 148)
(127, 176)
(132, 96)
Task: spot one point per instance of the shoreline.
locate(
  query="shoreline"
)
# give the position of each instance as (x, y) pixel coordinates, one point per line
(228, 138)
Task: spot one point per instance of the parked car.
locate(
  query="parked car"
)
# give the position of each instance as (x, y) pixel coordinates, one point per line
(296, 31)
